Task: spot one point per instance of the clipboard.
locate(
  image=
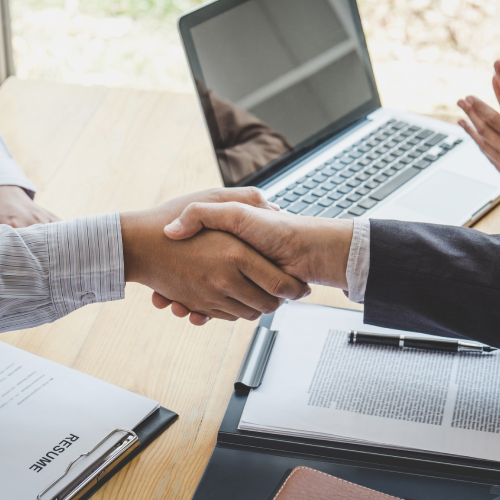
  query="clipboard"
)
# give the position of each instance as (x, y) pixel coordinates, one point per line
(108, 464)
(250, 465)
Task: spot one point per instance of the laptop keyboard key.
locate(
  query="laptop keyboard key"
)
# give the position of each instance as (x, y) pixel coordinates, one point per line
(399, 166)
(291, 197)
(399, 125)
(328, 172)
(354, 183)
(357, 211)
(405, 147)
(281, 193)
(331, 212)
(346, 160)
(373, 143)
(399, 138)
(414, 154)
(347, 173)
(310, 184)
(373, 156)
(396, 182)
(414, 141)
(362, 177)
(311, 174)
(390, 172)
(382, 150)
(344, 204)
(414, 128)
(430, 158)
(273, 199)
(325, 202)
(298, 207)
(435, 139)
(313, 210)
(357, 167)
(367, 204)
(301, 180)
(328, 186)
(319, 192)
(347, 216)
(379, 165)
(354, 197)
(364, 162)
(371, 185)
(301, 190)
(320, 178)
(337, 179)
(364, 149)
(380, 178)
(362, 191)
(310, 198)
(406, 160)
(335, 196)
(397, 152)
(355, 154)
(291, 186)
(371, 171)
(423, 148)
(422, 164)
(283, 203)
(344, 189)
(423, 134)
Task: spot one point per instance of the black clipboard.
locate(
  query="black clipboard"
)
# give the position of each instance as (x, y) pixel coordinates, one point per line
(107, 465)
(249, 465)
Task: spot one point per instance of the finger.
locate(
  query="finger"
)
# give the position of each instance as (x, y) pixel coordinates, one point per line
(228, 217)
(272, 279)
(491, 153)
(487, 114)
(239, 309)
(248, 195)
(496, 86)
(198, 319)
(179, 310)
(159, 301)
(482, 128)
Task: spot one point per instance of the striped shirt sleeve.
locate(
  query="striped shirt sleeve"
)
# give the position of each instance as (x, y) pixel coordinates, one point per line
(11, 174)
(50, 270)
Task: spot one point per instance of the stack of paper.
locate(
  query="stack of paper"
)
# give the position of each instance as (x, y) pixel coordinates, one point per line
(319, 386)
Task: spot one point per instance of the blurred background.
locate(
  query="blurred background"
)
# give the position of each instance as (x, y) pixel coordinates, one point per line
(426, 53)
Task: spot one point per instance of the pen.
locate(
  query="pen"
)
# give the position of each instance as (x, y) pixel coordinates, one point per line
(451, 345)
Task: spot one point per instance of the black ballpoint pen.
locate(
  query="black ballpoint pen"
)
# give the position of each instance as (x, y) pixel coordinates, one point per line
(451, 345)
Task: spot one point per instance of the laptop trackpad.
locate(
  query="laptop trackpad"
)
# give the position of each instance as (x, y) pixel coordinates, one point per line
(447, 197)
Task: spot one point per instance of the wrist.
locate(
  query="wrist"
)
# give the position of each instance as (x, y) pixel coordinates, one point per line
(331, 252)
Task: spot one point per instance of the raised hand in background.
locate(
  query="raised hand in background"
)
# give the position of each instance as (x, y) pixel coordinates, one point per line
(484, 125)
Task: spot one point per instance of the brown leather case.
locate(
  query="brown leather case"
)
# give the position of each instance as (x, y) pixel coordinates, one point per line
(305, 483)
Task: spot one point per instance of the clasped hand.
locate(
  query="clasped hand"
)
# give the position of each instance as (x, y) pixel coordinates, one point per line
(215, 274)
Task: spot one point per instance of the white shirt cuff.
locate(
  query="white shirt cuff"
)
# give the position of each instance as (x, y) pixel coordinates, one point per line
(358, 264)
(11, 174)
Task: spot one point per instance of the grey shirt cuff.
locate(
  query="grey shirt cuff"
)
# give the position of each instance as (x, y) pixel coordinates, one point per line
(358, 264)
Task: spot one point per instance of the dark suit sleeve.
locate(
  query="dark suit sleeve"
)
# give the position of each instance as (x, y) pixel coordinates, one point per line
(434, 279)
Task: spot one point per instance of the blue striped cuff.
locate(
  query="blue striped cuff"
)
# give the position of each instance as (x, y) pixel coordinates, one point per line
(85, 262)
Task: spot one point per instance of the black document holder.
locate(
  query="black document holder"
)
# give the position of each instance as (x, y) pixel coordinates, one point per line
(146, 432)
(248, 465)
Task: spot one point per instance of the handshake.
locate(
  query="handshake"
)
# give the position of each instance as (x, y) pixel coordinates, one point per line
(229, 254)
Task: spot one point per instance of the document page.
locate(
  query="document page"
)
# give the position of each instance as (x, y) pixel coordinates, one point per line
(49, 415)
(319, 386)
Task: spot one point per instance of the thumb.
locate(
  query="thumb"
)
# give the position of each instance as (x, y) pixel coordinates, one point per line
(227, 217)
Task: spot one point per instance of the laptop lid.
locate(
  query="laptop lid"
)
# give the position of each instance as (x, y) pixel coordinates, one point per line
(276, 79)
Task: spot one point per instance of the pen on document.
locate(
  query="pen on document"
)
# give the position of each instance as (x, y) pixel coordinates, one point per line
(451, 345)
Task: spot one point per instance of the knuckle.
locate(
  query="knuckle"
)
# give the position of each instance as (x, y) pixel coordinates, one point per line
(272, 305)
(278, 287)
(254, 195)
(254, 316)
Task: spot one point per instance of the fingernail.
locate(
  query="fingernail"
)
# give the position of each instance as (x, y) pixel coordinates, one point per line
(307, 293)
(460, 103)
(174, 227)
(461, 123)
(470, 100)
(274, 206)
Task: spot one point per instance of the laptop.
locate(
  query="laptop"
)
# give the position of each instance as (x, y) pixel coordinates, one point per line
(291, 104)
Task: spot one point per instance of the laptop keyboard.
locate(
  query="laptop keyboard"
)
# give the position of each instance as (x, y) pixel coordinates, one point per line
(365, 173)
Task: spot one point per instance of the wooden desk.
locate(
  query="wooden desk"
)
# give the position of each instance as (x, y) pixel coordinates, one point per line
(90, 150)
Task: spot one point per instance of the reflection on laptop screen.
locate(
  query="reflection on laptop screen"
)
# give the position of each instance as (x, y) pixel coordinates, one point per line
(279, 75)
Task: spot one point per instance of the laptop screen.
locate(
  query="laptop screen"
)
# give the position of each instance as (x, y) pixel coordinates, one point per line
(276, 78)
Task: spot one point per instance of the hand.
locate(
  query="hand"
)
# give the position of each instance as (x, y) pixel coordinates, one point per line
(17, 209)
(213, 274)
(312, 249)
(485, 126)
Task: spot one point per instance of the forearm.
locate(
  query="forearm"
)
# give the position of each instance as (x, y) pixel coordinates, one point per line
(434, 279)
(50, 270)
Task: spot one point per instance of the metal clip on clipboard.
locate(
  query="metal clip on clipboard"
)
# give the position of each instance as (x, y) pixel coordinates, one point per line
(255, 362)
(90, 476)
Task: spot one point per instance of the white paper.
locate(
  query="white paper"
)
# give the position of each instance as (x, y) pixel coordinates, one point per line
(318, 385)
(44, 407)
